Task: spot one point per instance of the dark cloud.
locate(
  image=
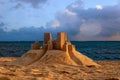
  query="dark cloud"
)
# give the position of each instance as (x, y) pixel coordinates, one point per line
(34, 3)
(79, 23)
(18, 5)
(25, 34)
(90, 24)
(21, 34)
(1, 24)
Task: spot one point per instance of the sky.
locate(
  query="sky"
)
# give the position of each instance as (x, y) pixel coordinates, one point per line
(82, 20)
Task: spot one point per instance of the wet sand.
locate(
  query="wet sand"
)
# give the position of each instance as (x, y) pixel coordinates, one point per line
(110, 70)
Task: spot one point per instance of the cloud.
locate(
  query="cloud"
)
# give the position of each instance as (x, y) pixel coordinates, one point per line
(34, 3)
(88, 29)
(69, 12)
(1, 24)
(91, 23)
(99, 7)
(78, 22)
(55, 23)
(115, 36)
(26, 34)
(18, 5)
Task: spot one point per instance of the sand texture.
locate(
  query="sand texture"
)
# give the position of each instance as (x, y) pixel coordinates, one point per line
(110, 70)
(38, 57)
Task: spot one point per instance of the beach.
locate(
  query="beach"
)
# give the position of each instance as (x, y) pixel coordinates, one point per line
(110, 70)
(57, 59)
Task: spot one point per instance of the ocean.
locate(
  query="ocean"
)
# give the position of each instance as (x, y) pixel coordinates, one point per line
(97, 50)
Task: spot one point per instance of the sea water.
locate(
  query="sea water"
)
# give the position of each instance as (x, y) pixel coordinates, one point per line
(97, 50)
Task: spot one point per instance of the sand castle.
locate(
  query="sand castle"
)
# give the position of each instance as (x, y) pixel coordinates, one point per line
(58, 51)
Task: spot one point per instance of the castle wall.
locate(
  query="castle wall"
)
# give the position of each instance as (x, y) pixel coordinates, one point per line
(47, 37)
(71, 48)
(61, 38)
(35, 45)
(48, 40)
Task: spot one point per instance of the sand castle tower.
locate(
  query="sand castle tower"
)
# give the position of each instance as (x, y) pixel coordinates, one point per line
(48, 41)
(60, 40)
(59, 51)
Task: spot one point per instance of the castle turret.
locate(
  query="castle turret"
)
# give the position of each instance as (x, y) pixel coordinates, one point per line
(48, 40)
(60, 41)
(35, 45)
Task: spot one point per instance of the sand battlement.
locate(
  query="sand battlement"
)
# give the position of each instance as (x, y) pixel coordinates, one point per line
(60, 43)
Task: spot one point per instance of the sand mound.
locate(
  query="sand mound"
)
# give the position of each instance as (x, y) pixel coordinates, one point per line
(38, 57)
(84, 59)
(56, 56)
(59, 51)
(61, 57)
(29, 57)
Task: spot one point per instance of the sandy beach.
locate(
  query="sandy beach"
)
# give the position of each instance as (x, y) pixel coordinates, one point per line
(110, 70)
(57, 60)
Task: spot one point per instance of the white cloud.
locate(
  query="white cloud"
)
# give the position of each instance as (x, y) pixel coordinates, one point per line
(70, 12)
(99, 7)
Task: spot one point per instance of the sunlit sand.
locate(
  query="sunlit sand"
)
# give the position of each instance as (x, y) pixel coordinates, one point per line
(56, 60)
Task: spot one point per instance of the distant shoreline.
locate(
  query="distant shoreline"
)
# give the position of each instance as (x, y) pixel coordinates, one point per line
(71, 41)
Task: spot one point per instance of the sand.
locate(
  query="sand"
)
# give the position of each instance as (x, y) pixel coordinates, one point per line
(57, 60)
(38, 57)
(110, 70)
